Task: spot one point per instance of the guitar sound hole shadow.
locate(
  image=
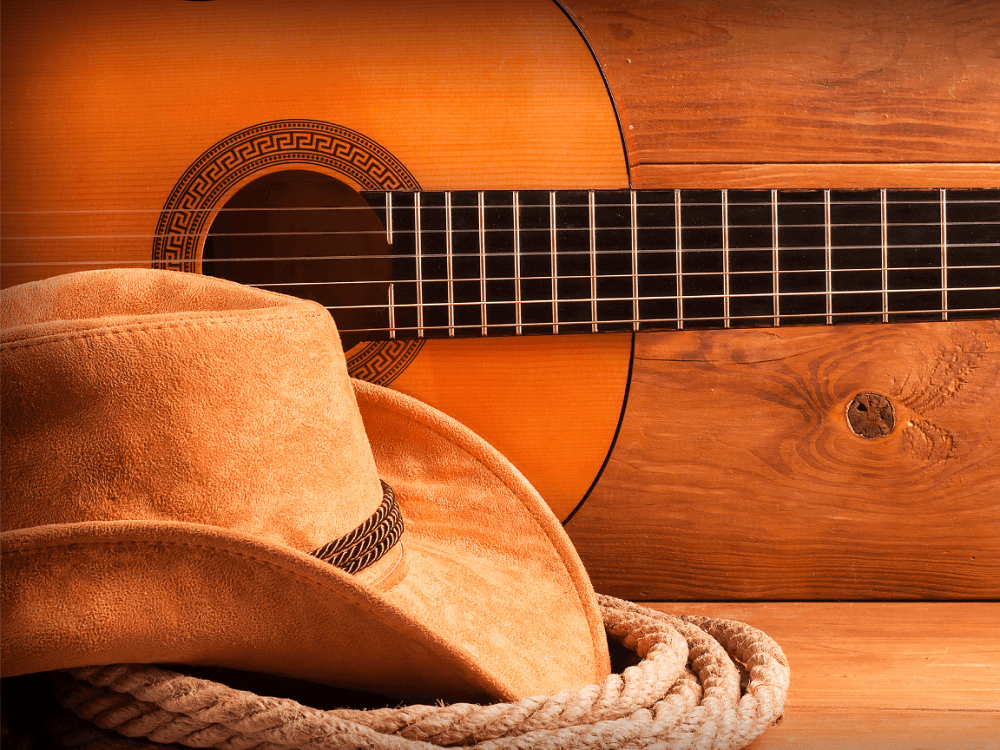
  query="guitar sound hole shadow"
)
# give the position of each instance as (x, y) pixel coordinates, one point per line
(309, 235)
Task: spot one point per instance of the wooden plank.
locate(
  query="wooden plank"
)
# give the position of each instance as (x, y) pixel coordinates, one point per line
(815, 176)
(799, 81)
(877, 655)
(880, 675)
(736, 474)
(879, 729)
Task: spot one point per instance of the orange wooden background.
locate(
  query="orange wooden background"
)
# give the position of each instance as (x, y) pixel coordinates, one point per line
(802, 93)
(735, 474)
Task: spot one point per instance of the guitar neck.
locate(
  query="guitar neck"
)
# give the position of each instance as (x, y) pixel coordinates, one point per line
(489, 263)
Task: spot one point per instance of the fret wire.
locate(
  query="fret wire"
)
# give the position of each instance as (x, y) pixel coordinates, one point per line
(828, 256)
(392, 311)
(517, 263)
(634, 213)
(944, 253)
(388, 218)
(482, 260)
(725, 259)
(850, 314)
(885, 256)
(552, 250)
(593, 260)
(451, 270)
(677, 260)
(774, 257)
(663, 297)
(420, 263)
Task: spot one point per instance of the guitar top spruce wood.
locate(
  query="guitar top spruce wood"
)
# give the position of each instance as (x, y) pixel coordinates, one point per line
(723, 282)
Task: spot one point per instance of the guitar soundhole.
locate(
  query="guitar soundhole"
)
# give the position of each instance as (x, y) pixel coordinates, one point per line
(309, 235)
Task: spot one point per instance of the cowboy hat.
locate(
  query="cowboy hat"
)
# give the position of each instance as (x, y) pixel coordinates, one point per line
(190, 476)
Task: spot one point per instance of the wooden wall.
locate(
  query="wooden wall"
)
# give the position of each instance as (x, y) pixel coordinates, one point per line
(802, 93)
(736, 474)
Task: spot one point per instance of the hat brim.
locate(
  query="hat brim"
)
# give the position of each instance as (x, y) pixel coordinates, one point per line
(491, 602)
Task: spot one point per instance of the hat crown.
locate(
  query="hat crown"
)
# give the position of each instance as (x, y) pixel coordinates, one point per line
(156, 395)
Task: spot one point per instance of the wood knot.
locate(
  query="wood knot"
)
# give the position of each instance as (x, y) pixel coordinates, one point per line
(871, 415)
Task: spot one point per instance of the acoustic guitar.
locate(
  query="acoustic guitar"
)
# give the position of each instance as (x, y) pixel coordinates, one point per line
(714, 294)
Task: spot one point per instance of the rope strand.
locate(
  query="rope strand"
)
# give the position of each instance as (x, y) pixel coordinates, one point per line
(684, 693)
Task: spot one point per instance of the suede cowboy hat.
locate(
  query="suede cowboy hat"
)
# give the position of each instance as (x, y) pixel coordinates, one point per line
(189, 476)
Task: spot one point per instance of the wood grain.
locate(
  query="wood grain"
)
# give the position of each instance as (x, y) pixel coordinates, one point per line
(832, 728)
(736, 474)
(817, 176)
(550, 404)
(107, 104)
(880, 675)
(799, 82)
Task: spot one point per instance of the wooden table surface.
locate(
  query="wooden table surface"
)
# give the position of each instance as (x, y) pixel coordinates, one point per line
(880, 675)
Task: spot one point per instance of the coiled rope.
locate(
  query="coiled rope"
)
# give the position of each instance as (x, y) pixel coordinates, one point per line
(701, 683)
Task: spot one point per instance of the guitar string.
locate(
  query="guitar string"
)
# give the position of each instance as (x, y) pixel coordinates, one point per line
(801, 295)
(694, 275)
(652, 321)
(538, 304)
(497, 230)
(629, 275)
(633, 229)
(500, 255)
(817, 294)
(687, 297)
(544, 206)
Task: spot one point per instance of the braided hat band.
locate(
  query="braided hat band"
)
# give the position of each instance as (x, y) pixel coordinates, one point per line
(369, 542)
(700, 683)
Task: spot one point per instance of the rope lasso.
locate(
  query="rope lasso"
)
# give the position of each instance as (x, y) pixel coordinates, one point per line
(701, 683)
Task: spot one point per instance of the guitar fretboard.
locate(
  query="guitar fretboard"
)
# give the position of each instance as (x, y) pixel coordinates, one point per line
(526, 262)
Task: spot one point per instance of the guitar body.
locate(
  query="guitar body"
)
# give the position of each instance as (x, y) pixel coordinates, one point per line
(485, 95)
(691, 450)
